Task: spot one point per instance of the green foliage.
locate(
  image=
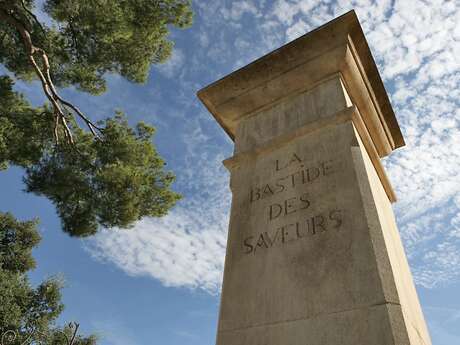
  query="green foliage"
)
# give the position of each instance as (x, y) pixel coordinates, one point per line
(29, 312)
(25, 132)
(16, 242)
(25, 309)
(61, 336)
(94, 37)
(110, 182)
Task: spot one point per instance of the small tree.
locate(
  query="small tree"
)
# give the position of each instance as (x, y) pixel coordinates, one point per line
(109, 174)
(27, 314)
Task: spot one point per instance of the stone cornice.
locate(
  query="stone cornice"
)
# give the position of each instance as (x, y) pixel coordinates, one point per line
(336, 47)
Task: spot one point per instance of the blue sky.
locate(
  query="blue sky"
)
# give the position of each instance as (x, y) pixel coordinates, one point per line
(159, 282)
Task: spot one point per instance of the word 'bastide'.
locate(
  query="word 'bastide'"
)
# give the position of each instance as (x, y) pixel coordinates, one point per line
(314, 256)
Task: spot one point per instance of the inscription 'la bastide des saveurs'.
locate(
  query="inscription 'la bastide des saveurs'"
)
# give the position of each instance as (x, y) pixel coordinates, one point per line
(307, 224)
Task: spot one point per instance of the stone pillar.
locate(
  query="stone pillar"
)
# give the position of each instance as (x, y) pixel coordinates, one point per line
(314, 256)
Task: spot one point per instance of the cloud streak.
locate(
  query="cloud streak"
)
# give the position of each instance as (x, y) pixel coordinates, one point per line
(186, 248)
(416, 45)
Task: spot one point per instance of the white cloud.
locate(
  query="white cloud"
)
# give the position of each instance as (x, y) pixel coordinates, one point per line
(203, 38)
(179, 250)
(173, 65)
(285, 11)
(186, 248)
(416, 45)
(296, 30)
(238, 9)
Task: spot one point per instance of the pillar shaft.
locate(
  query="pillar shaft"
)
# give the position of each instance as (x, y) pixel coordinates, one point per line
(313, 255)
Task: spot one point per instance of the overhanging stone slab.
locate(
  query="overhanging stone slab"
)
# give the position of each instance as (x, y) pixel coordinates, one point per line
(337, 47)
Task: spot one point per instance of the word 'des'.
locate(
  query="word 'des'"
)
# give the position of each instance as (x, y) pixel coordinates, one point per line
(288, 206)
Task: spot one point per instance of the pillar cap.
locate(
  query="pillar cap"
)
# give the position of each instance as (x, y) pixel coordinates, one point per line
(338, 46)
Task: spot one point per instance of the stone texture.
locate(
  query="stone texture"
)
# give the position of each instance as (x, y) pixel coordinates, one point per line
(314, 255)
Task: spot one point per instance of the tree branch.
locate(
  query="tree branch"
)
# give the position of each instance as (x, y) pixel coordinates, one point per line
(3, 37)
(34, 17)
(76, 325)
(74, 37)
(43, 73)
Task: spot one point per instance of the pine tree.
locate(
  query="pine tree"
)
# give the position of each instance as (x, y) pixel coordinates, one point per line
(97, 174)
(28, 314)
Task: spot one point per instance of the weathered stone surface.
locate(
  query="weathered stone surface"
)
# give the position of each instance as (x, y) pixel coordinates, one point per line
(314, 255)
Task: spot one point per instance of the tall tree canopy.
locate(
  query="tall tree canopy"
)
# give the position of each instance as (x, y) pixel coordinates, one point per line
(101, 173)
(28, 314)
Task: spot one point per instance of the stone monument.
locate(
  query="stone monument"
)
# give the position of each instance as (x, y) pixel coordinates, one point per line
(314, 256)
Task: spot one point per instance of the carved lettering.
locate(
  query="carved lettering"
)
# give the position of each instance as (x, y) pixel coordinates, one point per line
(288, 206)
(275, 211)
(267, 190)
(327, 168)
(261, 242)
(271, 241)
(293, 160)
(282, 184)
(304, 201)
(296, 174)
(279, 186)
(297, 231)
(317, 223)
(336, 217)
(247, 244)
(312, 174)
(310, 227)
(255, 194)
